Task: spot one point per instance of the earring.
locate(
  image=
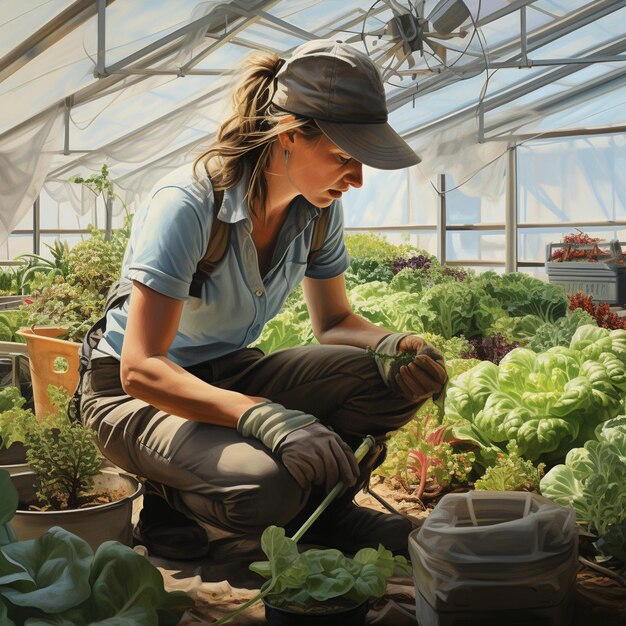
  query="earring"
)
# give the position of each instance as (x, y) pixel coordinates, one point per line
(286, 157)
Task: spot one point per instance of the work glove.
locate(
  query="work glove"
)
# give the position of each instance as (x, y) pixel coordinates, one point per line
(312, 453)
(424, 377)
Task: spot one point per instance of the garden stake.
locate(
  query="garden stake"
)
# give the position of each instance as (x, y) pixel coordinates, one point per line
(360, 452)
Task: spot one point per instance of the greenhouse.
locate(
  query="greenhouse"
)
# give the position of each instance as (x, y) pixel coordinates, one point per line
(313, 312)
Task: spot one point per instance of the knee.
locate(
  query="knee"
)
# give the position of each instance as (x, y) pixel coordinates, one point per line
(275, 499)
(269, 496)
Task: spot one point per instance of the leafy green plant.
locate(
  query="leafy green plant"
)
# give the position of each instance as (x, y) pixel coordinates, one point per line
(76, 298)
(559, 333)
(398, 446)
(521, 294)
(433, 461)
(418, 280)
(67, 305)
(57, 579)
(8, 281)
(613, 542)
(517, 329)
(378, 303)
(377, 247)
(77, 301)
(453, 348)
(323, 579)
(549, 402)
(365, 270)
(593, 478)
(511, 473)
(101, 185)
(458, 308)
(10, 322)
(57, 266)
(14, 419)
(62, 453)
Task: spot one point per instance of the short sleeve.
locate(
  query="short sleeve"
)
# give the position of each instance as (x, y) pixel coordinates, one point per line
(169, 241)
(332, 260)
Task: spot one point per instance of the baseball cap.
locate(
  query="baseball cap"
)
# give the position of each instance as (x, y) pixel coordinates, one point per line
(342, 90)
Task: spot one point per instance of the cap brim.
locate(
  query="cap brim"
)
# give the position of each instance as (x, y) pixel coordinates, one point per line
(376, 145)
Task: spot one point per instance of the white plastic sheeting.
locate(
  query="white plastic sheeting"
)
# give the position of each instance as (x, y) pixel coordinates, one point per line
(25, 156)
(143, 125)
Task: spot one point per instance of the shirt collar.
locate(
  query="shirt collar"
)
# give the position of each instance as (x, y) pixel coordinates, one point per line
(235, 203)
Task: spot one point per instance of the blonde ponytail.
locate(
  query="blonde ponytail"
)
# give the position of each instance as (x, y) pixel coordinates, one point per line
(247, 135)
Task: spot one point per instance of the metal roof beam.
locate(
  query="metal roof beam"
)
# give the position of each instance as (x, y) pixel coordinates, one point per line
(521, 90)
(57, 28)
(275, 21)
(250, 18)
(216, 17)
(601, 85)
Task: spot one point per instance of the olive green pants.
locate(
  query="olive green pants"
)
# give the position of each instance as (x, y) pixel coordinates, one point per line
(211, 473)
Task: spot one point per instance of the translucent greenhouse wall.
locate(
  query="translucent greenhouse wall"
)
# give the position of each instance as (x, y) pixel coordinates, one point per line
(573, 181)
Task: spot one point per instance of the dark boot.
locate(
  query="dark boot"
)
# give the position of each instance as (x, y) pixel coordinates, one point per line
(349, 527)
(168, 533)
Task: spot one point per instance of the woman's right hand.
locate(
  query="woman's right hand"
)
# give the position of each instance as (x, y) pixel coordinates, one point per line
(317, 455)
(312, 453)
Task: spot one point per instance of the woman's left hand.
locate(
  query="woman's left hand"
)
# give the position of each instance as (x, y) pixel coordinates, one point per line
(426, 375)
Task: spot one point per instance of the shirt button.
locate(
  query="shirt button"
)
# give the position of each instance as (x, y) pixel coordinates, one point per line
(258, 292)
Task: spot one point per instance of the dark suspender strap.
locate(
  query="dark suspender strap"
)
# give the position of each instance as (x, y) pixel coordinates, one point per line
(319, 235)
(218, 242)
(119, 291)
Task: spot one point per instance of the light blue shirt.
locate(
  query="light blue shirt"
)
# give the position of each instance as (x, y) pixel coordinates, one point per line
(170, 234)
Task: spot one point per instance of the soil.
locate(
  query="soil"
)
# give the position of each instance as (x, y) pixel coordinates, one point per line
(600, 597)
(88, 500)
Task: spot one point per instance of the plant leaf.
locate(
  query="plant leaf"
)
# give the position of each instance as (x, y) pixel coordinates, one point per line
(55, 571)
(128, 589)
(4, 617)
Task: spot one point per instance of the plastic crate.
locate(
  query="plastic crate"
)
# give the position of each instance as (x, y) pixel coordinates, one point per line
(603, 281)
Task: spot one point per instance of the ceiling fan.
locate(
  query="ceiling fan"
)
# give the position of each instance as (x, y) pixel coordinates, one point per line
(405, 41)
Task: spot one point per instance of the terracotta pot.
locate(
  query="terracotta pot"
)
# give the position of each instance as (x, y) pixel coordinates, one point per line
(96, 524)
(43, 349)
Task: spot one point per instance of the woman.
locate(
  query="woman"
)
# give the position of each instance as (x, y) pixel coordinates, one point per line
(231, 440)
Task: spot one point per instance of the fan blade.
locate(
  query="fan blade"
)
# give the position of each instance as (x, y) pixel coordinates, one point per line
(383, 58)
(448, 15)
(439, 50)
(379, 32)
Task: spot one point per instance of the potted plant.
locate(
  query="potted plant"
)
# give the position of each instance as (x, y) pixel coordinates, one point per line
(56, 578)
(66, 484)
(12, 451)
(318, 586)
(69, 298)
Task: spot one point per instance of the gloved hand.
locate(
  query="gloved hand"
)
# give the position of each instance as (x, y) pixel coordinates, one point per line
(317, 455)
(312, 453)
(424, 377)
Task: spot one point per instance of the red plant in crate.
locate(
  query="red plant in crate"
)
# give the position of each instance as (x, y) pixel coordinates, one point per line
(571, 252)
(601, 313)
